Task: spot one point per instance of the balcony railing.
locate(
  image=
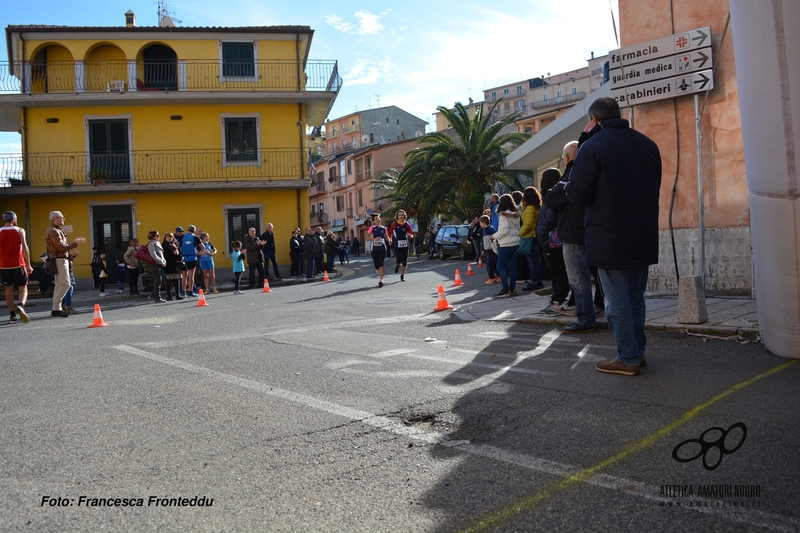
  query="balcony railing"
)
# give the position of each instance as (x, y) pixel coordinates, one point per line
(319, 218)
(70, 77)
(316, 187)
(559, 100)
(143, 167)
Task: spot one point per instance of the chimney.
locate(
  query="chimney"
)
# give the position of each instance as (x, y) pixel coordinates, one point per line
(130, 19)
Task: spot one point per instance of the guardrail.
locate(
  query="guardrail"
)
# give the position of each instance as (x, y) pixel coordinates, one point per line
(141, 167)
(70, 77)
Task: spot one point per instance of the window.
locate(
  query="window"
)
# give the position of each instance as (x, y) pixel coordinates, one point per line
(340, 203)
(519, 89)
(240, 139)
(321, 209)
(559, 94)
(360, 199)
(369, 166)
(342, 173)
(494, 96)
(398, 121)
(349, 166)
(544, 97)
(108, 150)
(574, 91)
(505, 92)
(520, 104)
(332, 174)
(238, 60)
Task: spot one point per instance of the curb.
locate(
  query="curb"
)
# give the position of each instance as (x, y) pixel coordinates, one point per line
(701, 329)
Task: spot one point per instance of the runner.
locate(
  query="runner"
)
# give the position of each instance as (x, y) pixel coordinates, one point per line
(378, 236)
(15, 265)
(402, 234)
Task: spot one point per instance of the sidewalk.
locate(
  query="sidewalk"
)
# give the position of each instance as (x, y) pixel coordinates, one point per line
(726, 316)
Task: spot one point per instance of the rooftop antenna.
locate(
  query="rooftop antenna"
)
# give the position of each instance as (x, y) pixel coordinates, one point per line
(166, 18)
(378, 99)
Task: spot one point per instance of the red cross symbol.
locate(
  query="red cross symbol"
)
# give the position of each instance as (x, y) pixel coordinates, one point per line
(681, 41)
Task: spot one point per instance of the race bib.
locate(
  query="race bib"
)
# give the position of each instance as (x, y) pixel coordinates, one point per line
(402, 244)
(377, 242)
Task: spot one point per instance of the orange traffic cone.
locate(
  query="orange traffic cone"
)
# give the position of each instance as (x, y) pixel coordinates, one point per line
(469, 270)
(326, 278)
(480, 262)
(442, 304)
(201, 300)
(457, 281)
(266, 286)
(98, 318)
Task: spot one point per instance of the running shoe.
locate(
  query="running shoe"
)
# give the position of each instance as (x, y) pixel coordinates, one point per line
(397, 268)
(402, 278)
(380, 284)
(503, 293)
(567, 310)
(22, 314)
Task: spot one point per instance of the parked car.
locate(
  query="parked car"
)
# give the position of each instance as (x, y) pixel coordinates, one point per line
(454, 240)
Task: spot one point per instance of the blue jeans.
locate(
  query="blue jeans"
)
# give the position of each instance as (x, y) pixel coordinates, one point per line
(580, 279)
(310, 267)
(625, 310)
(507, 266)
(535, 264)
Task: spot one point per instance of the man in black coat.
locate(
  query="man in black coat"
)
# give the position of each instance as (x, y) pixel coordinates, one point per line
(617, 176)
(571, 234)
(269, 252)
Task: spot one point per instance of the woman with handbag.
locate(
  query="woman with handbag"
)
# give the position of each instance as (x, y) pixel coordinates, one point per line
(528, 244)
(173, 256)
(507, 238)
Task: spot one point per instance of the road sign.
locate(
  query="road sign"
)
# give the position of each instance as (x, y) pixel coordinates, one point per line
(663, 47)
(666, 88)
(666, 67)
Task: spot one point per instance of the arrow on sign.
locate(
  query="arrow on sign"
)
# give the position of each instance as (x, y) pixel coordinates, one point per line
(702, 36)
(703, 59)
(703, 81)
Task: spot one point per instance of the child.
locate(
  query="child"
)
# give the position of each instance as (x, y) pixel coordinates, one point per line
(103, 273)
(207, 263)
(238, 265)
(121, 269)
(491, 257)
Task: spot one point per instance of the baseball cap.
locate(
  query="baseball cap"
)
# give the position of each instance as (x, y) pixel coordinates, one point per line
(8, 216)
(179, 228)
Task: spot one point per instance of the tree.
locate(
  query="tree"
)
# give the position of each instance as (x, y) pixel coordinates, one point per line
(452, 174)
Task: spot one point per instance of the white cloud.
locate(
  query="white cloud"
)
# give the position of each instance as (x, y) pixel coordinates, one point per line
(367, 23)
(339, 24)
(369, 72)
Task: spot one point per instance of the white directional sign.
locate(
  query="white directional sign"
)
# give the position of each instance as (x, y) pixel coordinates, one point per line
(663, 47)
(662, 68)
(665, 88)
(657, 69)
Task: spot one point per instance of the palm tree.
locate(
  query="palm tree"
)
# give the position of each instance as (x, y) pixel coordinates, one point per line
(452, 174)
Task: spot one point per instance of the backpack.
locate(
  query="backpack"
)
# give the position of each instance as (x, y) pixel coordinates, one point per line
(144, 255)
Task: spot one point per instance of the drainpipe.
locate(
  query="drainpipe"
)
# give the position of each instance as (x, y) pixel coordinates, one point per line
(23, 130)
(299, 127)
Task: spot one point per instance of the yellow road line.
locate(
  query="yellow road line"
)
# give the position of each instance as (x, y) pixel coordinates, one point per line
(514, 509)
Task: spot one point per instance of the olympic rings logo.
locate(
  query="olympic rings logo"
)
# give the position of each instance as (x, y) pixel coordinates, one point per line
(706, 446)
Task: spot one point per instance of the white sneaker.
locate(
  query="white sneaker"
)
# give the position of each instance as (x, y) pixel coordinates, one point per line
(120, 291)
(238, 292)
(103, 294)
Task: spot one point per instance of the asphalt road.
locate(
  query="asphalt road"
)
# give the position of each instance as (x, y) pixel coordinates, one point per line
(343, 407)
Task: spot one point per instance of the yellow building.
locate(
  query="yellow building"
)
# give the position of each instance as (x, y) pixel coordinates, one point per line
(127, 129)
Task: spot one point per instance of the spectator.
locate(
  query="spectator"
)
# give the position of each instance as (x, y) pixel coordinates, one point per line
(157, 268)
(320, 236)
(58, 247)
(252, 246)
(132, 264)
(173, 257)
(295, 253)
(507, 237)
(120, 273)
(331, 251)
(310, 252)
(238, 266)
(488, 253)
(530, 213)
(617, 177)
(268, 249)
(66, 303)
(547, 223)
(356, 247)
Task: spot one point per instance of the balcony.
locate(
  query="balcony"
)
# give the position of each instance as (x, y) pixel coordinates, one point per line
(316, 187)
(319, 218)
(559, 100)
(81, 83)
(148, 167)
(71, 77)
(351, 128)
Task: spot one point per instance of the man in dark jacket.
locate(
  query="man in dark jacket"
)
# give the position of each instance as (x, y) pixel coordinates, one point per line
(268, 237)
(252, 246)
(571, 233)
(617, 176)
(310, 244)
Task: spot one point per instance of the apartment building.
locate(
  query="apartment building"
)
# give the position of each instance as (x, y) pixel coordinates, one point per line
(372, 126)
(130, 128)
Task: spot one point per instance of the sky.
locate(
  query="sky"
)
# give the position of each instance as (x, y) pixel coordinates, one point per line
(414, 54)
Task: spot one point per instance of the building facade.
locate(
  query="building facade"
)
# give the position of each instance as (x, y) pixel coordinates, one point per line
(126, 129)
